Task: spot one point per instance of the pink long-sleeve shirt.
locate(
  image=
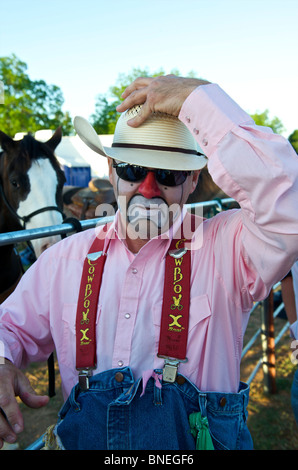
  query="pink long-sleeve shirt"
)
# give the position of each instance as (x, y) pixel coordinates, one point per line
(243, 252)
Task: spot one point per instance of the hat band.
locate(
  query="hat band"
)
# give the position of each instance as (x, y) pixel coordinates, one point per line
(156, 147)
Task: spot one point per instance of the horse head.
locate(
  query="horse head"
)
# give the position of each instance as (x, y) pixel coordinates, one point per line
(31, 183)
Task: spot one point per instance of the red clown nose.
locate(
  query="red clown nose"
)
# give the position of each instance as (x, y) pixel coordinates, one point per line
(148, 188)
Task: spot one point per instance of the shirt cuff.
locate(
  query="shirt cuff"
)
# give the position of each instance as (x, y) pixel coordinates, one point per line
(209, 114)
(5, 352)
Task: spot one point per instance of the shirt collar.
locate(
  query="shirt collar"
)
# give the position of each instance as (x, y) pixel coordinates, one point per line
(162, 241)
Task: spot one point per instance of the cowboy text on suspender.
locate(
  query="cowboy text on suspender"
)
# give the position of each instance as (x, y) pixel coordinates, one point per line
(175, 310)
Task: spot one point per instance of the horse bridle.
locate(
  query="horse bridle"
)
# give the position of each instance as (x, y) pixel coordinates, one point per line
(26, 218)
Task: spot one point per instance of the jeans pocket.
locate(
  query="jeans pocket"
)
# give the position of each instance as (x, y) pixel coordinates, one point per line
(229, 431)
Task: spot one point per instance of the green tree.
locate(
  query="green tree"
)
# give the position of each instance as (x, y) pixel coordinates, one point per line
(262, 119)
(29, 105)
(293, 138)
(105, 116)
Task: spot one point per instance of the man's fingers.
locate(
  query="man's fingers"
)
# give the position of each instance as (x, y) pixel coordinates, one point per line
(14, 383)
(11, 421)
(165, 94)
(136, 97)
(28, 395)
(142, 115)
(137, 84)
(34, 401)
(135, 93)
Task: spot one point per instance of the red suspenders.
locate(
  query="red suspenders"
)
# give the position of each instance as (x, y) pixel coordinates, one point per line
(175, 310)
(86, 311)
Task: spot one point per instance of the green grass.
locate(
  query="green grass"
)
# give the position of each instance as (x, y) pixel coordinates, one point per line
(271, 420)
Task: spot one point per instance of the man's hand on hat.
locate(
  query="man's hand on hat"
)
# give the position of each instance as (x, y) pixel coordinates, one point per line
(164, 94)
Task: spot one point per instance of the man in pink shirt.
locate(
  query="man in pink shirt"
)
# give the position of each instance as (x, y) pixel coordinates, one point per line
(131, 394)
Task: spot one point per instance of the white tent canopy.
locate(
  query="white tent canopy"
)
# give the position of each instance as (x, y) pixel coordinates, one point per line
(72, 152)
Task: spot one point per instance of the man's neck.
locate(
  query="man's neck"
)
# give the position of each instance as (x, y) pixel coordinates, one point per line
(134, 246)
(133, 238)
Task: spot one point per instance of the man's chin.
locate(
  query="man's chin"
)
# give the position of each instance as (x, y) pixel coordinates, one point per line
(145, 228)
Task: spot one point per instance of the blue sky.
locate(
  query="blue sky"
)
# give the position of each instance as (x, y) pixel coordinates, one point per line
(248, 47)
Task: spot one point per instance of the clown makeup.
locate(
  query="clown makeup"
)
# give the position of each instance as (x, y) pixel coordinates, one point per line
(147, 207)
(148, 217)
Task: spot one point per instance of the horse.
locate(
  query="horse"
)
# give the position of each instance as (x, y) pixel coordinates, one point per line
(31, 183)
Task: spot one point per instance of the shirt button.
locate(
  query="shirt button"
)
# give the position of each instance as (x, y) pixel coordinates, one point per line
(187, 118)
(134, 270)
(120, 363)
(196, 131)
(127, 315)
(205, 142)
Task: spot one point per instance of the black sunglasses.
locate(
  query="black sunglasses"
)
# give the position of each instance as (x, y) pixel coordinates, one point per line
(135, 173)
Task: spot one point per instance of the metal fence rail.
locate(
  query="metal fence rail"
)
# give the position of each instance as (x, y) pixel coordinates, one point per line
(69, 227)
(62, 229)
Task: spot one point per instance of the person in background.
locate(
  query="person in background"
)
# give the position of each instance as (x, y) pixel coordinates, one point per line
(289, 287)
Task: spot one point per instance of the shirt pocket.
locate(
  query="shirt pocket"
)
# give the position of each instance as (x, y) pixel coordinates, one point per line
(66, 351)
(199, 317)
(199, 311)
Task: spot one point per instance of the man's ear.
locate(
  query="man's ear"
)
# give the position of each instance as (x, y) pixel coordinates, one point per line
(195, 178)
(110, 164)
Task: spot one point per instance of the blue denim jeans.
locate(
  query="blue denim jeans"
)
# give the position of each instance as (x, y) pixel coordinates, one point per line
(114, 415)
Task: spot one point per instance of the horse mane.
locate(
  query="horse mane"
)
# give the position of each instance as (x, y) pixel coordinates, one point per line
(31, 146)
(34, 149)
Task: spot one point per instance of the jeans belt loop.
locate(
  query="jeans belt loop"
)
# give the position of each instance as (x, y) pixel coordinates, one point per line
(203, 403)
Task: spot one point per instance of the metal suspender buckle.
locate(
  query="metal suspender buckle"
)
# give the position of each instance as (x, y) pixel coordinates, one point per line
(84, 375)
(170, 368)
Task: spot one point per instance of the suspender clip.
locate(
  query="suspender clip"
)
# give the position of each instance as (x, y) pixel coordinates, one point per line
(178, 253)
(84, 375)
(170, 368)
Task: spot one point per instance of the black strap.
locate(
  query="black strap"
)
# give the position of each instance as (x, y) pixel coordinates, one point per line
(157, 147)
(26, 218)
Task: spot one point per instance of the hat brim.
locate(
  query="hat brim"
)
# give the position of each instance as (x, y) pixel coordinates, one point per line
(143, 157)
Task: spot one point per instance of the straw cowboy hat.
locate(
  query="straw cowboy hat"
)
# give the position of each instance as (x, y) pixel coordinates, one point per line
(162, 141)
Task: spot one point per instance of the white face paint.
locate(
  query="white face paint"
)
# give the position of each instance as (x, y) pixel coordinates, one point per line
(148, 216)
(43, 186)
(154, 210)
